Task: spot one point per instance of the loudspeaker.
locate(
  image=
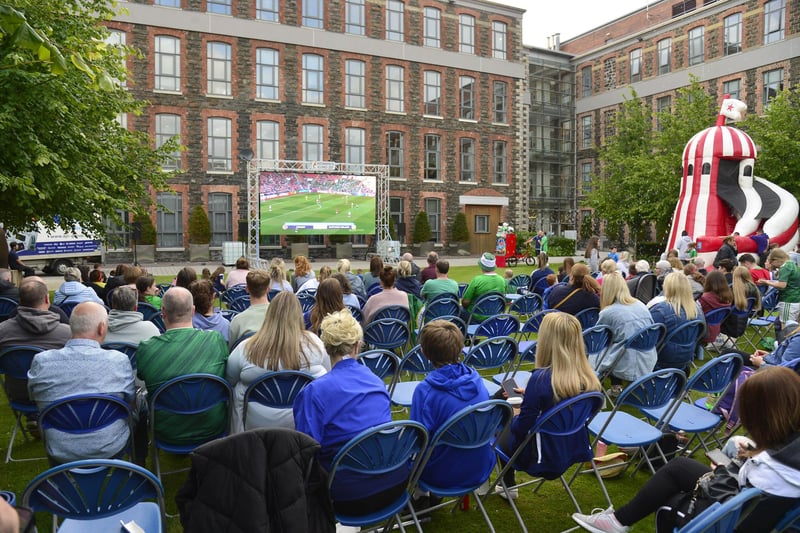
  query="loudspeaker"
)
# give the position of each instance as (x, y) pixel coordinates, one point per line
(136, 231)
(400, 229)
(242, 229)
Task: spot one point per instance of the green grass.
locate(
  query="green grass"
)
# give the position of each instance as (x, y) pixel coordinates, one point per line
(304, 208)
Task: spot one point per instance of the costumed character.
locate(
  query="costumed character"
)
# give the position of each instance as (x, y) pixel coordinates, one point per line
(720, 195)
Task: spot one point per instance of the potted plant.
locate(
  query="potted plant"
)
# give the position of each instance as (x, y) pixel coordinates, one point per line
(422, 234)
(144, 240)
(299, 245)
(199, 235)
(459, 237)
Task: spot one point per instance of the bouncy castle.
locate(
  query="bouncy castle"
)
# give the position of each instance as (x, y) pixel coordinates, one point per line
(720, 195)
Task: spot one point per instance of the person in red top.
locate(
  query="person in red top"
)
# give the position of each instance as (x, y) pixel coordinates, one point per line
(716, 294)
(756, 272)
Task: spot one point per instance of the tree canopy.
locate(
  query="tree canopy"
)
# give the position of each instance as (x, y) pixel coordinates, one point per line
(63, 152)
(637, 180)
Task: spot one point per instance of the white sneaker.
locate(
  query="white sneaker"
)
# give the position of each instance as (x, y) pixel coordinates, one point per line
(603, 521)
(512, 493)
(483, 490)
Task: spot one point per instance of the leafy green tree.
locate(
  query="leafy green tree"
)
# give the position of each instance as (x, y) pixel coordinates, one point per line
(422, 228)
(460, 231)
(62, 150)
(775, 134)
(148, 233)
(640, 167)
(199, 226)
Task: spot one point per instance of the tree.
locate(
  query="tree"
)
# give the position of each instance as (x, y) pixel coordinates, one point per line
(199, 226)
(640, 166)
(64, 158)
(422, 228)
(147, 232)
(460, 232)
(775, 134)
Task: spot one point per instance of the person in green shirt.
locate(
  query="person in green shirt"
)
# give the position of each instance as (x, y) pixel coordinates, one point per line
(488, 281)
(179, 351)
(545, 242)
(787, 281)
(441, 283)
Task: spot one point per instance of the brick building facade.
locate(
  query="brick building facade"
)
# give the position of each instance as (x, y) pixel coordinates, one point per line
(429, 87)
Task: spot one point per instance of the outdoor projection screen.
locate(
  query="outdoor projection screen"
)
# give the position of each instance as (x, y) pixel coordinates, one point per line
(313, 204)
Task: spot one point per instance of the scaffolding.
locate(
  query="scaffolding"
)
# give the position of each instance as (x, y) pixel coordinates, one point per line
(384, 246)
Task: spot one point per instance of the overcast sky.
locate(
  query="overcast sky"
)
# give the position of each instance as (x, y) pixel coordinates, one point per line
(568, 17)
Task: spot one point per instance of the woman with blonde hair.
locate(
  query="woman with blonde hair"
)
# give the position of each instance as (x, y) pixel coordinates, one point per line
(787, 281)
(606, 267)
(562, 371)
(625, 315)
(677, 308)
(341, 404)
(356, 283)
(277, 276)
(580, 293)
(623, 263)
(743, 289)
(312, 284)
(406, 280)
(302, 272)
(282, 343)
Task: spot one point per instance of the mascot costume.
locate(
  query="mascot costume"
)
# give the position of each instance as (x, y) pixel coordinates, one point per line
(720, 195)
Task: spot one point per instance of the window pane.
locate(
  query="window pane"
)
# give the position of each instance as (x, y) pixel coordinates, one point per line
(499, 40)
(268, 10)
(732, 88)
(355, 146)
(500, 160)
(467, 153)
(220, 7)
(733, 34)
(167, 64)
(169, 220)
(636, 65)
(586, 81)
(467, 98)
(395, 157)
(696, 42)
(664, 56)
(118, 235)
(355, 21)
(774, 12)
(397, 212)
(313, 79)
(267, 74)
(355, 81)
(167, 127)
(312, 142)
(313, 13)
(586, 132)
(432, 27)
(395, 89)
(466, 34)
(433, 157)
(268, 136)
(219, 68)
(219, 144)
(433, 207)
(773, 84)
(395, 23)
(500, 102)
(433, 93)
(220, 213)
(167, 3)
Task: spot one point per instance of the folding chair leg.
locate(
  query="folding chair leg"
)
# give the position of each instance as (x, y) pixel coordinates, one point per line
(569, 491)
(483, 511)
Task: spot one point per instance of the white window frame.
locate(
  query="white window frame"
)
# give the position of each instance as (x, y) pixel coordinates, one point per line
(466, 33)
(313, 142)
(664, 54)
(727, 85)
(395, 20)
(774, 21)
(167, 126)
(732, 34)
(432, 27)
(220, 143)
(500, 100)
(169, 220)
(773, 83)
(355, 21)
(696, 38)
(395, 153)
(355, 146)
(466, 98)
(636, 65)
(220, 214)
(269, 10)
(355, 85)
(433, 156)
(219, 63)
(395, 89)
(313, 79)
(313, 14)
(268, 74)
(433, 93)
(500, 162)
(499, 39)
(218, 7)
(268, 138)
(466, 154)
(433, 207)
(586, 132)
(167, 64)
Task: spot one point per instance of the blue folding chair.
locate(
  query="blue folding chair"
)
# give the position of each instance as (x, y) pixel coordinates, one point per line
(356, 312)
(307, 300)
(462, 288)
(567, 418)
(387, 333)
(188, 395)
(228, 314)
(495, 352)
(679, 347)
(526, 305)
(163, 287)
(382, 363)
(789, 522)
(520, 377)
(232, 293)
(722, 517)
(659, 389)
(520, 281)
(147, 310)
(271, 294)
(758, 327)
(374, 289)
(384, 450)
(83, 414)
(716, 317)
(397, 312)
(485, 306)
(597, 340)
(242, 338)
(443, 304)
(501, 325)
(98, 494)
(127, 348)
(645, 339)
(414, 363)
(67, 307)
(14, 365)
(540, 286)
(588, 317)
(712, 378)
(276, 390)
(158, 320)
(530, 328)
(472, 428)
(240, 304)
(7, 306)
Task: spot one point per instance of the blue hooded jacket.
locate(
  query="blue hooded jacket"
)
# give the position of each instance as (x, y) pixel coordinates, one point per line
(443, 393)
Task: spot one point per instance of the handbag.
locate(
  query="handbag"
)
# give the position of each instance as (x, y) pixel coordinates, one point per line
(719, 485)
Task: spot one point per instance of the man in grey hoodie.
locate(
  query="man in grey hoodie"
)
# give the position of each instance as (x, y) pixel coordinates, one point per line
(125, 323)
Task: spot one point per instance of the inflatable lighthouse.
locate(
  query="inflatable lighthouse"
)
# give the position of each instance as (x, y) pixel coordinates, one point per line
(721, 196)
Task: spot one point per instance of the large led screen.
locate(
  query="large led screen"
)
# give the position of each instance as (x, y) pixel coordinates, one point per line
(313, 204)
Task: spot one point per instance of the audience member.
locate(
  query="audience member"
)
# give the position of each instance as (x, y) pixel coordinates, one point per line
(606, 267)
(251, 319)
(581, 292)
(373, 276)
(324, 273)
(727, 251)
(415, 270)
(349, 299)
(148, 291)
(442, 283)
(302, 272)
(562, 372)
(185, 277)
(83, 367)
(328, 300)
(341, 404)
(700, 263)
(623, 264)
(787, 281)
(485, 282)
(357, 284)
(592, 253)
(565, 269)
(388, 296)
(97, 267)
(540, 273)
(117, 278)
(444, 392)
(277, 276)
(125, 323)
(96, 284)
(132, 274)
(787, 350)
(676, 308)
(756, 272)
(771, 465)
(696, 280)
(429, 272)
(407, 281)
(15, 263)
(743, 289)
(282, 343)
(205, 315)
(238, 276)
(625, 315)
(73, 291)
(7, 287)
(726, 266)
(179, 351)
(716, 294)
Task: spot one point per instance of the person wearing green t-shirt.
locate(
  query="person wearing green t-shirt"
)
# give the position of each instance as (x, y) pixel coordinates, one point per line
(442, 283)
(488, 281)
(545, 242)
(787, 282)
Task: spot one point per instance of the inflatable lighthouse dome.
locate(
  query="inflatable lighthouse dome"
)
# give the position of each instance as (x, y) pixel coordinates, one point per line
(720, 196)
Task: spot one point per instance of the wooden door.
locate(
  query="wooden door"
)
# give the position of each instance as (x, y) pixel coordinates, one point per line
(482, 221)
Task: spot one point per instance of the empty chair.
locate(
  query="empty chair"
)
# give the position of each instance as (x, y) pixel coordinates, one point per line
(530, 328)
(232, 293)
(758, 327)
(526, 305)
(14, 365)
(714, 320)
(495, 352)
(306, 299)
(502, 325)
(7, 306)
(240, 303)
(679, 347)
(384, 364)
(597, 340)
(387, 333)
(520, 377)
(98, 495)
(520, 281)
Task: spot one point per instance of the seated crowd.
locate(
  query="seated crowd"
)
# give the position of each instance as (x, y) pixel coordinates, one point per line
(344, 398)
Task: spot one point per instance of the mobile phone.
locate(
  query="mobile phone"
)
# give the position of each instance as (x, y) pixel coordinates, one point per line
(717, 457)
(508, 386)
